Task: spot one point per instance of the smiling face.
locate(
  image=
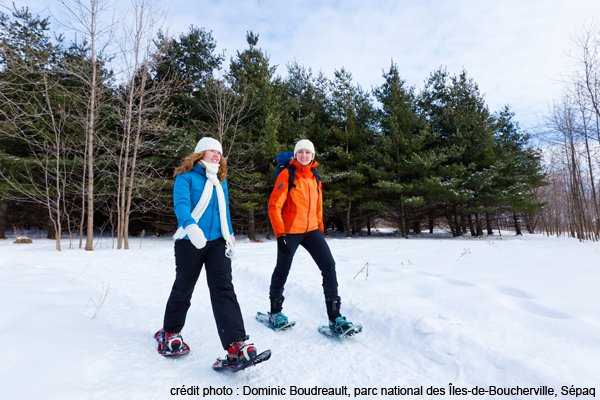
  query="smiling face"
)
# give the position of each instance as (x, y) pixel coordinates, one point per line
(304, 156)
(211, 156)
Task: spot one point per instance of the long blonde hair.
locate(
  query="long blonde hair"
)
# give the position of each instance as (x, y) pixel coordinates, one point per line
(187, 164)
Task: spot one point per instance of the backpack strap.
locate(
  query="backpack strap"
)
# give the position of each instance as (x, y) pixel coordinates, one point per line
(292, 176)
(317, 178)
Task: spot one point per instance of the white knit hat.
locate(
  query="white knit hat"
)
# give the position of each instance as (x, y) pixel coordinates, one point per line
(207, 143)
(306, 145)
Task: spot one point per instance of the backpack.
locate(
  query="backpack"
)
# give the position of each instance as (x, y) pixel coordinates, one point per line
(283, 162)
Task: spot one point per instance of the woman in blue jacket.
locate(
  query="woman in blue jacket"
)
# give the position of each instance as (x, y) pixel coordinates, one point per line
(204, 237)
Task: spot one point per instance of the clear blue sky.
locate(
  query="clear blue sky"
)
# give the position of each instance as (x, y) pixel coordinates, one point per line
(515, 50)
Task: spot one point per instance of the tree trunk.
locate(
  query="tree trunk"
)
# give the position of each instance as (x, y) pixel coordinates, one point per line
(3, 218)
(431, 221)
(471, 225)
(369, 225)
(452, 221)
(463, 224)
(417, 226)
(403, 217)
(517, 225)
(498, 223)
(457, 227)
(528, 223)
(595, 199)
(478, 225)
(83, 197)
(488, 223)
(89, 244)
(51, 231)
(251, 225)
(348, 226)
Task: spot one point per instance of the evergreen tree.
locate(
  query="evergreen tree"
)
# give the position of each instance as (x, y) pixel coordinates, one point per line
(462, 137)
(35, 150)
(186, 64)
(402, 161)
(349, 147)
(251, 75)
(519, 169)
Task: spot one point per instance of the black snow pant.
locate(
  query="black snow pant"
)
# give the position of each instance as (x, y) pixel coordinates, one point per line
(226, 310)
(317, 247)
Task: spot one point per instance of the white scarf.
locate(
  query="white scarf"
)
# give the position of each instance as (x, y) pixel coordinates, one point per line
(213, 181)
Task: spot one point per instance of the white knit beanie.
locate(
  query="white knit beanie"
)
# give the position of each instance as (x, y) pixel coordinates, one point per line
(306, 145)
(207, 143)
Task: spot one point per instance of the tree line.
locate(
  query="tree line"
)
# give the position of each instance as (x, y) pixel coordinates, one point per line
(92, 129)
(571, 138)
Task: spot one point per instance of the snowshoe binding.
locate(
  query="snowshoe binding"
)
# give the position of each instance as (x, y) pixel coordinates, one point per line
(240, 356)
(338, 327)
(276, 322)
(341, 328)
(170, 345)
(275, 319)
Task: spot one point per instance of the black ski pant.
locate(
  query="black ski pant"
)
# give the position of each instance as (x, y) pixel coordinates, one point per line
(226, 310)
(317, 247)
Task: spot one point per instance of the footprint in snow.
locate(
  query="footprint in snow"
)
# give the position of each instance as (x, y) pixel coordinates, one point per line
(537, 309)
(457, 282)
(514, 292)
(533, 308)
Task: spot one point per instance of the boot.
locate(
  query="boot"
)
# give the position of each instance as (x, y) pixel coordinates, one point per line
(333, 307)
(276, 317)
(337, 322)
(170, 344)
(241, 355)
(240, 351)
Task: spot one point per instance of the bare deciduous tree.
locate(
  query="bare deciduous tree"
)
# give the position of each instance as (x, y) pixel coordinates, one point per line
(87, 19)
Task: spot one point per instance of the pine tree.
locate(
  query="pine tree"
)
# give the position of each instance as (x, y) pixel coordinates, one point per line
(462, 138)
(36, 151)
(402, 161)
(349, 147)
(251, 75)
(519, 169)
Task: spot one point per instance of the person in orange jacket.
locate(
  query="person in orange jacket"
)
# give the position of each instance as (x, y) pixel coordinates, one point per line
(297, 219)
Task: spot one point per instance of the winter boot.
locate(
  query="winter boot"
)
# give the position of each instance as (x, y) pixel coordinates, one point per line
(240, 352)
(276, 317)
(241, 355)
(170, 344)
(337, 322)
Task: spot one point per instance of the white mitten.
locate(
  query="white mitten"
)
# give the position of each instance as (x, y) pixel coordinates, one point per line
(196, 235)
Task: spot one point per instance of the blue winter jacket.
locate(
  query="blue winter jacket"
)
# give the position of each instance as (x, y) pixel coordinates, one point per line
(186, 194)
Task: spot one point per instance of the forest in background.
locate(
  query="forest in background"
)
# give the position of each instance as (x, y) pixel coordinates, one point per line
(91, 130)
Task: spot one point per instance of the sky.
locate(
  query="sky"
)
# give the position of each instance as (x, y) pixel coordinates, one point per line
(516, 51)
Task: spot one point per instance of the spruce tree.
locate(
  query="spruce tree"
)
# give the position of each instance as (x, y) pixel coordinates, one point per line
(462, 140)
(349, 147)
(251, 75)
(402, 162)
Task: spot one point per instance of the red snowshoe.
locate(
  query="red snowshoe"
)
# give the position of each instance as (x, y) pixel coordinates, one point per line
(170, 345)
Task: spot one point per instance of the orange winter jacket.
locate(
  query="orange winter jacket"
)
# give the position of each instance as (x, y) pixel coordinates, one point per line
(301, 210)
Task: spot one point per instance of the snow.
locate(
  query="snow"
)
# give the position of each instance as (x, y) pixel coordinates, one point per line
(498, 311)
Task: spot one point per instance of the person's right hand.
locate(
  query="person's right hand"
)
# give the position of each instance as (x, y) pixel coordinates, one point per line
(196, 235)
(283, 246)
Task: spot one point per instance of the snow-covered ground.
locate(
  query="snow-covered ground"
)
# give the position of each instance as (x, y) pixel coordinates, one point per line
(506, 312)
